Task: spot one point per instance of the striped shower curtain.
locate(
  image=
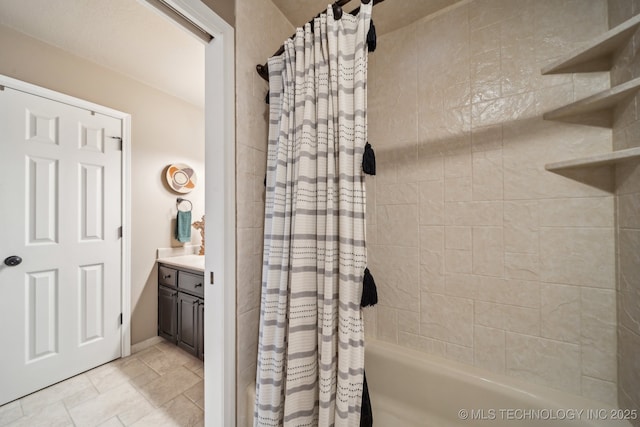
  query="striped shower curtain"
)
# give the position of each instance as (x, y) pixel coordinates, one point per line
(311, 347)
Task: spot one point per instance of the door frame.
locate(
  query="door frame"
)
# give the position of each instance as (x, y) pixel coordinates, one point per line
(220, 210)
(125, 279)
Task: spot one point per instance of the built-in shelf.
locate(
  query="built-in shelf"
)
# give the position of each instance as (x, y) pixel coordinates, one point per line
(597, 160)
(602, 102)
(598, 54)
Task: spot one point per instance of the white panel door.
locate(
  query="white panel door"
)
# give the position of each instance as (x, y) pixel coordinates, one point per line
(60, 211)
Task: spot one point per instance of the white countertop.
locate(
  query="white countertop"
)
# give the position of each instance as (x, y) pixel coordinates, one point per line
(191, 262)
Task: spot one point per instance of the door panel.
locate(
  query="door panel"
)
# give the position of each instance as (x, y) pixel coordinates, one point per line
(187, 322)
(91, 302)
(167, 313)
(42, 187)
(42, 314)
(61, 186)
(91, 202)
(200, 329)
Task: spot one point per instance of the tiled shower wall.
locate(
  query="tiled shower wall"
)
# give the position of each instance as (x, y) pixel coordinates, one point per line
(480, 254)
(260, 28)
(626, 134)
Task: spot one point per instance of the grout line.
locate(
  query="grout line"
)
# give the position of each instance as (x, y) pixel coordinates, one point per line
(67, 411)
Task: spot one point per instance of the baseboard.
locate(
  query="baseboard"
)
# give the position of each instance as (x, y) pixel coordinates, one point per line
(145, 344)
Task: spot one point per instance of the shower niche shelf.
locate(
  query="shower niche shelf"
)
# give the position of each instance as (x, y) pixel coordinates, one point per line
(613, 158)
(598, 54)
(595, 110)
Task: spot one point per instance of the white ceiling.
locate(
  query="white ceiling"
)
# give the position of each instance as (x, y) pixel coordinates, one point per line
(132, 38)
(387, 16)
(126, 36)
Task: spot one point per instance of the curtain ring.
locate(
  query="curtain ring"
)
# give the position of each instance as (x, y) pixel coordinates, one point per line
(366, 1)
(337, 11)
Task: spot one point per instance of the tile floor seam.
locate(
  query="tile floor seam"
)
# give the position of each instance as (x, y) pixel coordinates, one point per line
(188, 364)
(68, 412)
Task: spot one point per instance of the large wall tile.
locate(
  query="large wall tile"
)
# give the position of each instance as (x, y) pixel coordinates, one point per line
(512, 318)
(397, 274)
(509, 256)
(489, 348)
(432, 259)
(521, 266)
(628, 174)
(423, 344)
(457, 189)
(522, 293)
(409, 321)
(544, 361)
(457, 261)
(560, 312)
(488, 251)
(629, 377)
(459, 353)
(370, 317)
(431, 203)
(461, 285)
(578, 256)
(598, 333)
(521, 227)
(474, 213)
(621, 10)
(397, 194)
(458, 238)
(487, 138)
(599, 390)
(629, 279)
(400, 223)
(575, 212)
(488, 181)
(433, 238)
(447, 318)
(628, 208)
(387, 324)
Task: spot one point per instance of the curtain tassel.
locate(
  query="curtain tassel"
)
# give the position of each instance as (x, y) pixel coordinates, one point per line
(371, 38)
(369, 291)
(369, 160)
(366, 412)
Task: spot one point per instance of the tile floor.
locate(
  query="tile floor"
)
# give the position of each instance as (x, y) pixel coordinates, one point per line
(159, 386)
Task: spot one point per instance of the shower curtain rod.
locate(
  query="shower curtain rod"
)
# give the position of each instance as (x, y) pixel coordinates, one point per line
(263, 69)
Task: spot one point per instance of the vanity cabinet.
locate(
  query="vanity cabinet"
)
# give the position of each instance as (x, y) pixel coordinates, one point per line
(167, 313)
(181, 308)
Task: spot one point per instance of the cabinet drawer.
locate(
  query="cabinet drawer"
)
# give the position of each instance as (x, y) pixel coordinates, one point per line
(192, 283)
(167, 276)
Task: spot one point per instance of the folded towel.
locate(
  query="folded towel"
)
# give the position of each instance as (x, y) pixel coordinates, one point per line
(183, 226)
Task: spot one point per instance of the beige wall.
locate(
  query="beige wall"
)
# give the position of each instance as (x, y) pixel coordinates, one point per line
(165, 130)
(481, 255)
(625, 135)
(260, 29)
(224, 8)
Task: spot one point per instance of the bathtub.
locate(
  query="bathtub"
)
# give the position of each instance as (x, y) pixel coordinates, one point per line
(411, 389)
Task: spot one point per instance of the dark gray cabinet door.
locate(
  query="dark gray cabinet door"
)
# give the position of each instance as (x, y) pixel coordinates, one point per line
(167, 313)
(188, 323)
(181, 308)
(201, 329)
